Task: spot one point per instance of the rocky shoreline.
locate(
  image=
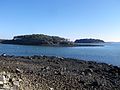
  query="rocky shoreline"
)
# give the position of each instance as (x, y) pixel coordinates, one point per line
(56, 73)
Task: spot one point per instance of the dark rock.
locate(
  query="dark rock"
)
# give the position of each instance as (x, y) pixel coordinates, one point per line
(57, 73)
(4, 55)
(88, 71)
(90, 66)
(95, 84)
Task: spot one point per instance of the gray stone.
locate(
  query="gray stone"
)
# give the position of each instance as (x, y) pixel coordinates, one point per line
(18, 70)
(16, 83)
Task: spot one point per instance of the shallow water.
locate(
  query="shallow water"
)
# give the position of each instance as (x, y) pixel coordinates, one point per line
(110, 53)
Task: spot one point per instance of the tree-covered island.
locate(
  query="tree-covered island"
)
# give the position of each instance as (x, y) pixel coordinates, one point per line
(89, 41)
(39, 39)
(46, 40)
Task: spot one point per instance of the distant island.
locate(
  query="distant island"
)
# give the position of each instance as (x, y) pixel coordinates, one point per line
(38, 39)
(46, 40)
(89, 41)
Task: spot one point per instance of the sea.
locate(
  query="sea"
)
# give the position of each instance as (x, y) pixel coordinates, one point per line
(109, 53)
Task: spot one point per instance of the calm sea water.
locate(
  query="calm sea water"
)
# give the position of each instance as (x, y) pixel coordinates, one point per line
(110, 53)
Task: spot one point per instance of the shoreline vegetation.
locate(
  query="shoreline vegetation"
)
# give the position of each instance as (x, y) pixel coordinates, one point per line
(56, 73)
(45, 40)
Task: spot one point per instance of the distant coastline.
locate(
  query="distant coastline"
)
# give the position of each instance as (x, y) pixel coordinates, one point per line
(46, 40)
(89, 41)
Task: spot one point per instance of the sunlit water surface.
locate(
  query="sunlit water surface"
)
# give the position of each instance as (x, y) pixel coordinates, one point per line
(110, 53)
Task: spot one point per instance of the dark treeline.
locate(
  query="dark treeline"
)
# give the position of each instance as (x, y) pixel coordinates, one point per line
(89, 41)
(45, 40)
(39, 39)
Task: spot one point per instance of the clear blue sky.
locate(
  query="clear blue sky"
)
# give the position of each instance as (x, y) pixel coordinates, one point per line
(67, 18)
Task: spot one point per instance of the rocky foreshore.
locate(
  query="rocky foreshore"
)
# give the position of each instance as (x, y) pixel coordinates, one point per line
(56, 73)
